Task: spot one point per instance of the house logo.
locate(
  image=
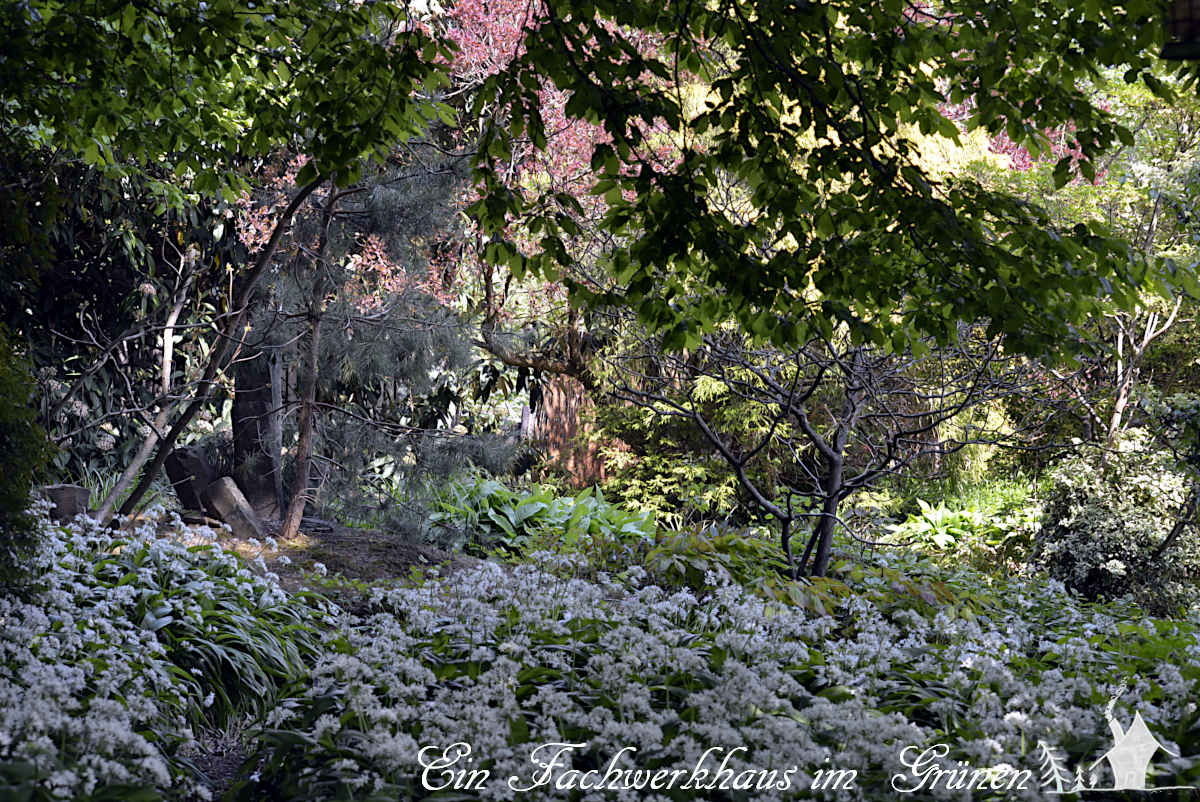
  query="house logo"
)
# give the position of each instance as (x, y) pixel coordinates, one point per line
(1128, 759)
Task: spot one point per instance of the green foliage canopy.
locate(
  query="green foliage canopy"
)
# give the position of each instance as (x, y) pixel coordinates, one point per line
(202, 87)
(811, 112)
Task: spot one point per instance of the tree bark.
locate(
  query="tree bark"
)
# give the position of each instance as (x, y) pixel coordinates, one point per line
(256, 418)
(835, 481)
(827, 523)
(308, 393)
(290, 525)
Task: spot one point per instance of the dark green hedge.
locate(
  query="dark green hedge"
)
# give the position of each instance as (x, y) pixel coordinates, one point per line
(24, 450)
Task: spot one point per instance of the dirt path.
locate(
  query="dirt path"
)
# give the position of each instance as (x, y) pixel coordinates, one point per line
(353, 559)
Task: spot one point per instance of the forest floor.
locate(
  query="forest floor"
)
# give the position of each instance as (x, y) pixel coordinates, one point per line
(354, 559)
(360, 556)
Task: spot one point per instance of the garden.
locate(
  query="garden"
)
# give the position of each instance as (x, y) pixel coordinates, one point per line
(612, 401)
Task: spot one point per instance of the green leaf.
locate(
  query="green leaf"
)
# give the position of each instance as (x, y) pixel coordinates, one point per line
(824, 224)
(307, 174)
(1062, 172)
(128, 17)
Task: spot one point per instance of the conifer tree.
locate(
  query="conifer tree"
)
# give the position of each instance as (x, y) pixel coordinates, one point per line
(372, 356)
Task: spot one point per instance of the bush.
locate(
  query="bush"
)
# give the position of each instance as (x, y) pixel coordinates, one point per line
(986, 540)
(688, 558)
(664, 465)
(488, 516)
(25, 450)
(679, 489)
(1105, 517)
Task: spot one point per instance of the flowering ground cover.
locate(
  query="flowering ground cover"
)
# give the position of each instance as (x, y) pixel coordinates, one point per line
(128, 644)
(133, 642)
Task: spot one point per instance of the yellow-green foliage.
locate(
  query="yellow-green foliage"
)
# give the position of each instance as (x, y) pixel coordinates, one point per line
(969, 465)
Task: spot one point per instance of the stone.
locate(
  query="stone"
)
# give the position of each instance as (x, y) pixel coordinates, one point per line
(224, 500)
(190, 475)
(68, 500)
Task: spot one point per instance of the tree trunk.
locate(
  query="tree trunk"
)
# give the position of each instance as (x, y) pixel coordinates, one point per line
(256, 419)
(827, 523)
(308, 384)
(785, 540)
(275, 432)
(1126, 370)
(834, 482)
(232, 333)
(308, 394)
(104, 514)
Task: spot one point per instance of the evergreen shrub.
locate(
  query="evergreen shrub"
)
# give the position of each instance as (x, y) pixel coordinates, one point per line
(1106, 516)
(24, 451)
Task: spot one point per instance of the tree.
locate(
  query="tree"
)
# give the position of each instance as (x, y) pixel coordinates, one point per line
(95, 300)
(204, 90)
(25, 449)
(369, 357)
(805, 428)
(1054, 771)
(526, 325)
(1143, 191)
(806, 115)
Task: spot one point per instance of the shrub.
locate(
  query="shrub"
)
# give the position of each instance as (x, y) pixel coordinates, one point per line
(1106, 516)
(983, 539)
(25, 450)
(487, 515)
(686, 559)
(680, 489)
(664, 465)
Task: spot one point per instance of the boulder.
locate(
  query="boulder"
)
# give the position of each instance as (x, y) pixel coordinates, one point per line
(190, 475)
(68, 500)
(225, 500)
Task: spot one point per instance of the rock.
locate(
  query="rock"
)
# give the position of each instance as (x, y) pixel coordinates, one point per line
(225, 500)
(68, 500)
(190, 475)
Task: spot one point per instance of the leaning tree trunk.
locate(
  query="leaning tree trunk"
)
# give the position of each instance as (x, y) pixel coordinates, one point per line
(164, 413)
(308, 382)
